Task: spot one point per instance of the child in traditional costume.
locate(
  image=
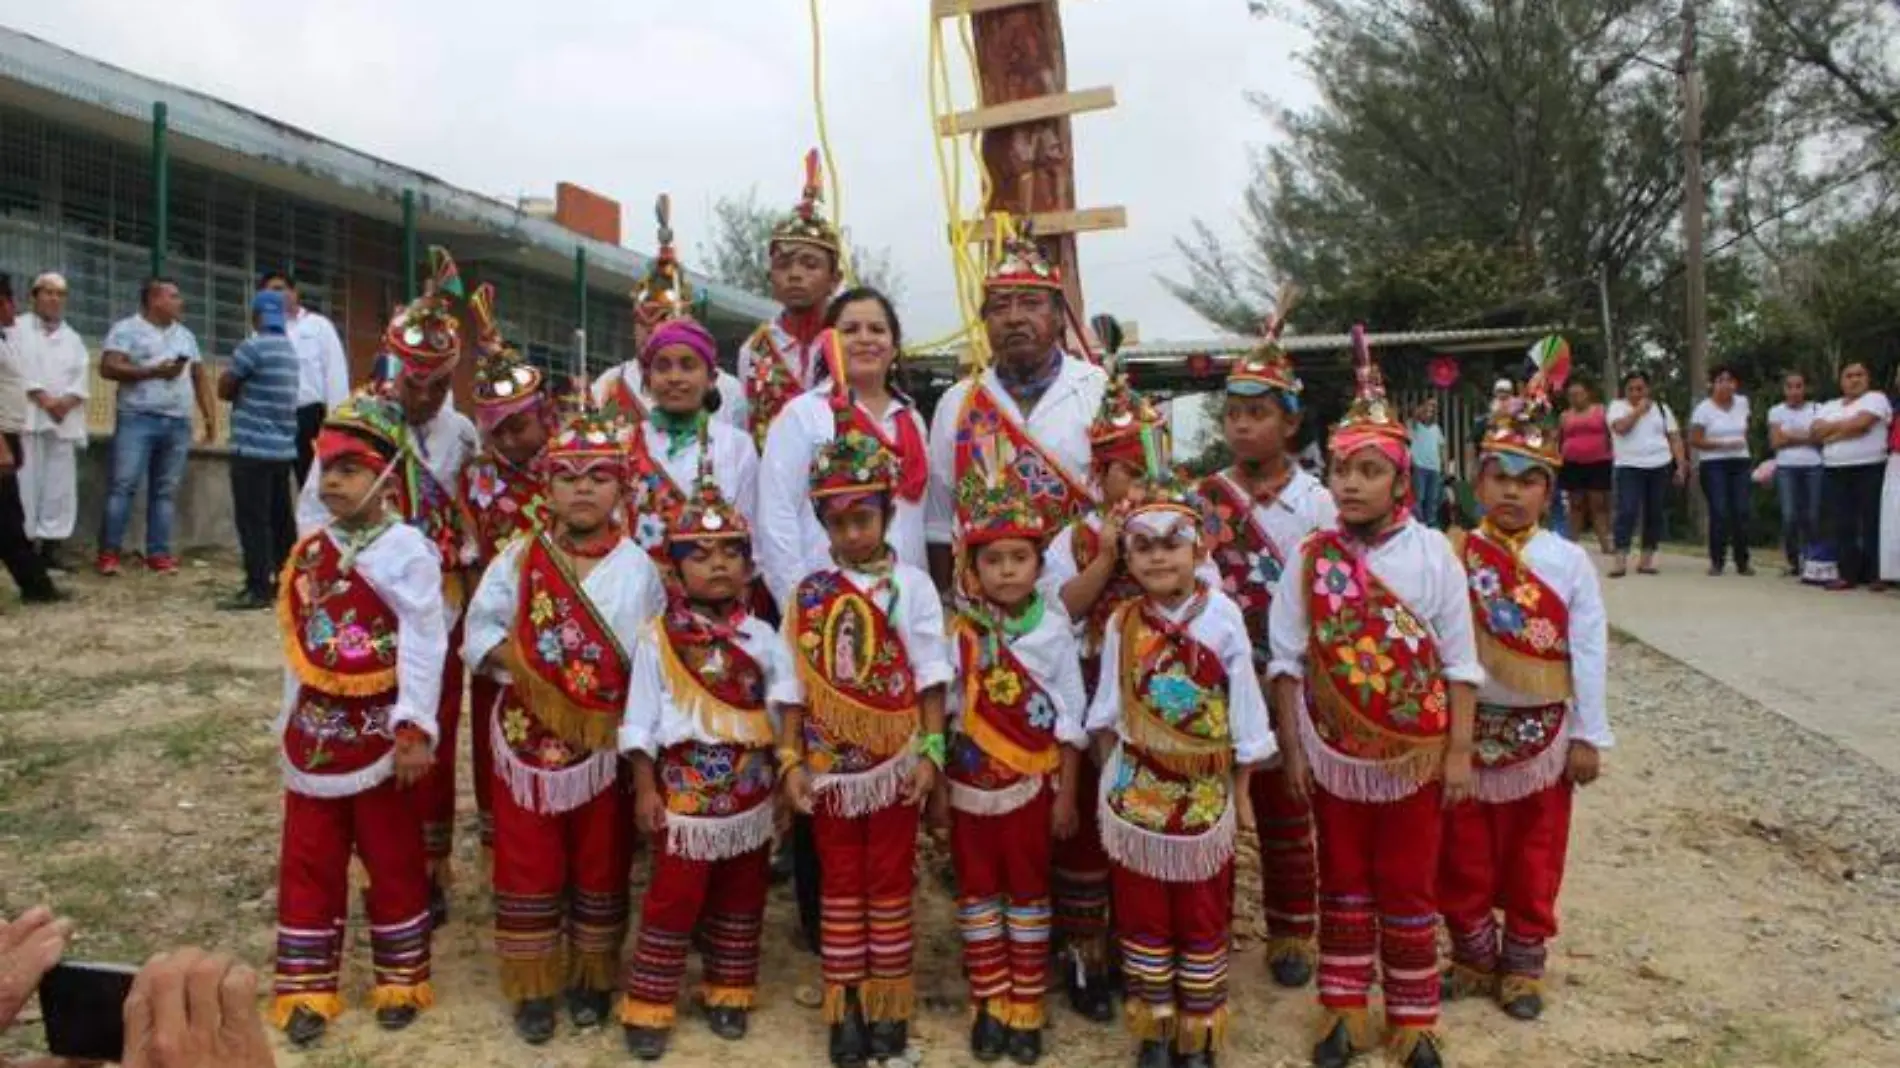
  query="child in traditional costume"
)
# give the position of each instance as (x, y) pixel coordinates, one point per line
(781, 359)
(861, 750)
(701, 737)
(1013, 770)
(505, 492)
(1373, 616)
(361, 614)
(1179, 713)
(557, 615)
(1541, 721)
(1266, 506)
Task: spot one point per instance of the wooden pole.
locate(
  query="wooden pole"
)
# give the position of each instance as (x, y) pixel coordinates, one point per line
(1695, 296)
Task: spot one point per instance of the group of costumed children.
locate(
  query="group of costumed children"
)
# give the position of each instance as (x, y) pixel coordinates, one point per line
(1112, 699)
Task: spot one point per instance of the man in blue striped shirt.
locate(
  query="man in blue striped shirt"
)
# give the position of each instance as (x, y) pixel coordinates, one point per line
(261, 384)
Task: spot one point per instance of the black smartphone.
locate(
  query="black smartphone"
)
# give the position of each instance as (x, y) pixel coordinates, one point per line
(84, 1009)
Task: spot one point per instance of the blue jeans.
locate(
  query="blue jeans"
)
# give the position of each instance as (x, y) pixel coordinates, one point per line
(1725, 483)
(1800, 491)
(1640, 491)
(144, 444)
(1428, 495)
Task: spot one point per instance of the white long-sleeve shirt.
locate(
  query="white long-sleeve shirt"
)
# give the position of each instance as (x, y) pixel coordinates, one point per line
(915, 612)
(735, 469)
(400, 565)
(1059, 423)
(1418, 566)
(1566, 568)
(323, 368)
(624, 586)
(1049, 654)
(732, 402)
(1220, 628)
(655, 722)
(791, 542)
(58, 365)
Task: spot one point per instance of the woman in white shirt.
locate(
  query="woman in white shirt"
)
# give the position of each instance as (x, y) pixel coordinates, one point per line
(1718, 431)
(1797, 468)
(1646, 446)
(1852, 431)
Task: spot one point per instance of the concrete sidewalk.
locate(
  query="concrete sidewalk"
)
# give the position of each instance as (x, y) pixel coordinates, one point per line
(1828, 661)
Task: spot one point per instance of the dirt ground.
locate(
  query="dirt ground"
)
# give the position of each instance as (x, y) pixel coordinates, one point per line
(138, 794)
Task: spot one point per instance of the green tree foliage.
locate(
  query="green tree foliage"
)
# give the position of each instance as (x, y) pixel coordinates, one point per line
(742, 230)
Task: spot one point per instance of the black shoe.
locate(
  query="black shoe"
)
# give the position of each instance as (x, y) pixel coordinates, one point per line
(244, 602)
(534, 1020)
(848, 1040)
(587, 1008)
(728, 1023)
(1291, 971)
(52, 560)
(439, 908)
(305, 1027)
(1092, 998)
(1745, 569)
(1336, 1049)
(1525, 1006)
(1025, 1047)
(1424, 1055)
(889, 1038)
(1154, 1055)
(49, 595)
(647, 1043)
(988, 1037)
(395, 1017)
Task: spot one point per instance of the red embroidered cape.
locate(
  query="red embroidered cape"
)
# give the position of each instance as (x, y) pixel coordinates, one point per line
(1008, 725)
(1249, 561)
(1523, 624)
(504, 502)
(1178, 751)
(770, 386)
(431, 507)
(624, 401)
(988, 438)
(860, 691)
(567, 664)
(339, 640)
(654, 500)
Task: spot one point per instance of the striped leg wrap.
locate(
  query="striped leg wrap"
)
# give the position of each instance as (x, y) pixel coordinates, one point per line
(596, 929)
(1348, 945)
(528, 942)
(308, 962)
(1475, 947)
(986, 952)
(1148, 974)
(1523, 957)
(844, 944)
(1289, 877)
(400, 955)
(1408, 953)
(890, 994)
(1029, 924)
(651, 985)
(730, 956)
(1082, 916)
(1200, 983)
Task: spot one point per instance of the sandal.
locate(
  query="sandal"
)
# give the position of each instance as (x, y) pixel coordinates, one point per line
(1619, 572)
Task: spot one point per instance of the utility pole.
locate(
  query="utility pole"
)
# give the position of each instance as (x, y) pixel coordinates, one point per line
(1609, 339)
(1695, 287)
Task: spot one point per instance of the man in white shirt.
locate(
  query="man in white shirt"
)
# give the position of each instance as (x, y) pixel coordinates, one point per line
(16, 552)
(323, 380)
(54, 361)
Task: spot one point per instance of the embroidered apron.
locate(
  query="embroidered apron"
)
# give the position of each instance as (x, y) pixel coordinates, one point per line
(339, 641)
(860, 693)
(1005, 746)
(716, 794)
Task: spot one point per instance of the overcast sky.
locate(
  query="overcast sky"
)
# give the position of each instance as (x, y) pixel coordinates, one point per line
(712, 97)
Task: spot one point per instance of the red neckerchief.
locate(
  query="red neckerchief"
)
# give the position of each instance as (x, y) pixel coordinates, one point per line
(804, 328)
(913, 460)
(595, 548)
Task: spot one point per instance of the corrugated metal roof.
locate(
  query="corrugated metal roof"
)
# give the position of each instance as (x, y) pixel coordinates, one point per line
(195, 116)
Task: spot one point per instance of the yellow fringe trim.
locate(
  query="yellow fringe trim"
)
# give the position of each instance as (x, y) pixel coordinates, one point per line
(554, 709)
(335, 683)
(1289, 948)
(730, 997)
(1547, 680)
(1402, 1041)
(888, 999)
(420, 996)
(1464, 981)
(1174, 750)
(1145, 1025)
(646, 1014)
(1420, 760)
(846, 718)
(539, 977)
(1018, 1015)
(999, 748)
(1359, 1029)
(751, 728)
(833, 1008)
(328, 1006)
(1192, 1034)
(593, 971)
(1512, 987)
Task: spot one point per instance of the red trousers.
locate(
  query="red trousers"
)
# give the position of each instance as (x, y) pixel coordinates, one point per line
(866, 880)
(724, 900)
(1289, 873)
(437, 789)
(1174, 941)
(1080, 878)
(483, 693)
(581, 858)
(1505, 858)
(1003, 909)
(313, 898)
(1378, 875)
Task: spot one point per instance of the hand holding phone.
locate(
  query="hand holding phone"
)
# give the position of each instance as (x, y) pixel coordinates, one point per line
(191, 1009)
(84, 1009)
(29, 946)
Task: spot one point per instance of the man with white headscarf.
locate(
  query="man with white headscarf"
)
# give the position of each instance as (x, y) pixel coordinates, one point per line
(55, 366)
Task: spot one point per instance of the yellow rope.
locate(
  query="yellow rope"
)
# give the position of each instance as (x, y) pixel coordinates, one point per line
(968, 269)
(824, 141)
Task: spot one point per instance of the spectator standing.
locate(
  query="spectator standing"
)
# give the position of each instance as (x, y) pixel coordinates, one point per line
(1646, 449)
(1852, 430)
(54, 361)
(1428, 463)
(1797, 469)
(1585, 479)
(1890, 503)
(16, 551)
(154, 359)
(323, 368)
(1718, 431)
(261, 385)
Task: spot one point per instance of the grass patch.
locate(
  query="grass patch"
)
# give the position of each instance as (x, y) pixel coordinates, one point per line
(193, 740)
(28, 765)
(46, 823)
(200, 678)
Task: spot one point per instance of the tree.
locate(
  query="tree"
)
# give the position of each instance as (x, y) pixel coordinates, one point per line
(742, 231)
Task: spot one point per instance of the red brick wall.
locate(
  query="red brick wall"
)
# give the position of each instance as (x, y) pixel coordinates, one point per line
(587, 213)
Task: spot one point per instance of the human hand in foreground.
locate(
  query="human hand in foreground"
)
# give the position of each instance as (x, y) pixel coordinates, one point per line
(191, 1009)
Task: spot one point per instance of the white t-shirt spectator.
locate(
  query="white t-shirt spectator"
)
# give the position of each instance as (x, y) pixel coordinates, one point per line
(1718, 425)
(1647, 443)
(1795, 421)
(1869, 447)
(147, 345)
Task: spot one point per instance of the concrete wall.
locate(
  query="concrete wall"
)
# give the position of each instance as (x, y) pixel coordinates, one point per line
(204, 516)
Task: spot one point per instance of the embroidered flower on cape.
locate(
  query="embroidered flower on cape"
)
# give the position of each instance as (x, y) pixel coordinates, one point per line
(1527, 594)
(1366, 664)
(1001, 686)
(547, 644)
(1486, 582)
(1542, 634)
(540, 608)
(1506, 617)
(649, 530)
(571, 636)
(1333, 580)
(1041, 711)
(1400, 623)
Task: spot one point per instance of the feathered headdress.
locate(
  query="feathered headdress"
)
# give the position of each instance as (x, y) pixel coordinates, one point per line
(1268, 368)
(807, 225)
(664, 294)
(367, 426)
(1124, 415)
(1020, 263)
(1522, 433)
(1371, 419)
(588, 438)
(505, 383)
(707, 515)
(425, 335)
